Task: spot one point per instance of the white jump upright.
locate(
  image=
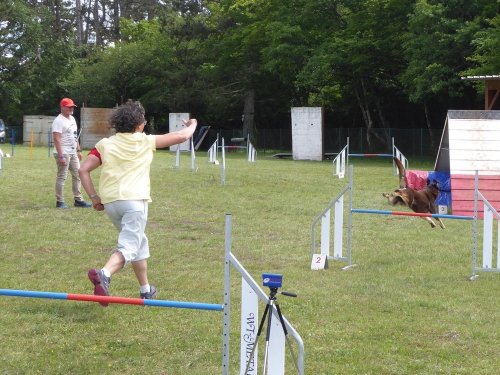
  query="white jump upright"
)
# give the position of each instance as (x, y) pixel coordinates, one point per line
(212, 157)
(251, 152)
(178, 157)
(398, 155)
(212, 152)
(249, 320)
(320, 260)
(223, 165)
(193, 157)
(490, 217)
(341, 160)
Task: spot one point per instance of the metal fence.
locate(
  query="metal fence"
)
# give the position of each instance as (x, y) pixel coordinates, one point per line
(413, 142)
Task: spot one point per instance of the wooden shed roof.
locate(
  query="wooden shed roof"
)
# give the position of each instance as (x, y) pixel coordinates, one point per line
(491, 89)
(482, 78)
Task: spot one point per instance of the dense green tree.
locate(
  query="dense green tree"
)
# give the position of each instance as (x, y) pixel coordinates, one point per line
(133, 69)
(244, 63)
(37, 51)
(254, 52)
(355, 67)
(437, 47)
(486, 44)
(153, 63)
(233, 60)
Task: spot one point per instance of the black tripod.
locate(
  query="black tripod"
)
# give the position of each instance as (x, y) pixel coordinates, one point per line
(268, 313)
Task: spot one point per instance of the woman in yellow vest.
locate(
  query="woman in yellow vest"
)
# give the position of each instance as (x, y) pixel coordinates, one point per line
(124, 190)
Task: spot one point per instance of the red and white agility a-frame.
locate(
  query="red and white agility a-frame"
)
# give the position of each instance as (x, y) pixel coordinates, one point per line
(471, 142)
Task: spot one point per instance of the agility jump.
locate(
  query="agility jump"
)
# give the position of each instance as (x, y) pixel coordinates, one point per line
(193, 156)
(213, 152)
(320, 259)
(220, 145)
(342, 159)
(276, 364)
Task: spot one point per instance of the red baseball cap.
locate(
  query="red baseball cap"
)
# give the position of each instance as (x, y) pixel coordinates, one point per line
(67, 102)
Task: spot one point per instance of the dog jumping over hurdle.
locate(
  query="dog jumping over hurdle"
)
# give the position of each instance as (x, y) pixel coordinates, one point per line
(420, 201)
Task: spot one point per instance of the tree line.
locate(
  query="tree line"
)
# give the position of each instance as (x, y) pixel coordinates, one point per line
(245, 63)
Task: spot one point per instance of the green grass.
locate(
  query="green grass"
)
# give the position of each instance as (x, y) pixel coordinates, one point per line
(407, 308)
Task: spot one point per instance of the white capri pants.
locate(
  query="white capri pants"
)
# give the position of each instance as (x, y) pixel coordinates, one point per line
(130, 218)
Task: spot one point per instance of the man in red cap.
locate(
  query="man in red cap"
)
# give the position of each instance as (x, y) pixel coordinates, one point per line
(67, 154)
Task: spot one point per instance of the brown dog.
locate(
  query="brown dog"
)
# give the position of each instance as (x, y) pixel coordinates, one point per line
(421, 201)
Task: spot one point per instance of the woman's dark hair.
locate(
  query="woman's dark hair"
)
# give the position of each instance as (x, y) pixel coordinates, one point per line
(127, 116)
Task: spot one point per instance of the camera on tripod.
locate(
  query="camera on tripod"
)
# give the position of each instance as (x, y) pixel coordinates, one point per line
(272, 280)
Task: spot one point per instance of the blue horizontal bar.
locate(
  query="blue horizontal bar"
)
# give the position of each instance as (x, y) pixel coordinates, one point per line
(183, 305)
(414, 214)
(147, 302)
(32, 294)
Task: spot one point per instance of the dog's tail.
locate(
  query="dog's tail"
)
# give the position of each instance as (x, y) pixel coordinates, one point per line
(402, 173)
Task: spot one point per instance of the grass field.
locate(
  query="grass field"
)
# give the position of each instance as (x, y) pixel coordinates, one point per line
(407, 308)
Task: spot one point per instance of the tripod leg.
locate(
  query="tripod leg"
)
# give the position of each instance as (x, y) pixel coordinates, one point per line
(261, 325)
(268, 335)
(285, 331)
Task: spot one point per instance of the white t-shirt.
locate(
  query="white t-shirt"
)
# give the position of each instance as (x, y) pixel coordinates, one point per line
(69, 133)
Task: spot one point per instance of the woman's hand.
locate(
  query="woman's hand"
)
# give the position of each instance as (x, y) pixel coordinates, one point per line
(190, 122)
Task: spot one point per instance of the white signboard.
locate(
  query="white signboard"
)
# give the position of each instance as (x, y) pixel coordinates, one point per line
(175, 123)
(307, 133)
